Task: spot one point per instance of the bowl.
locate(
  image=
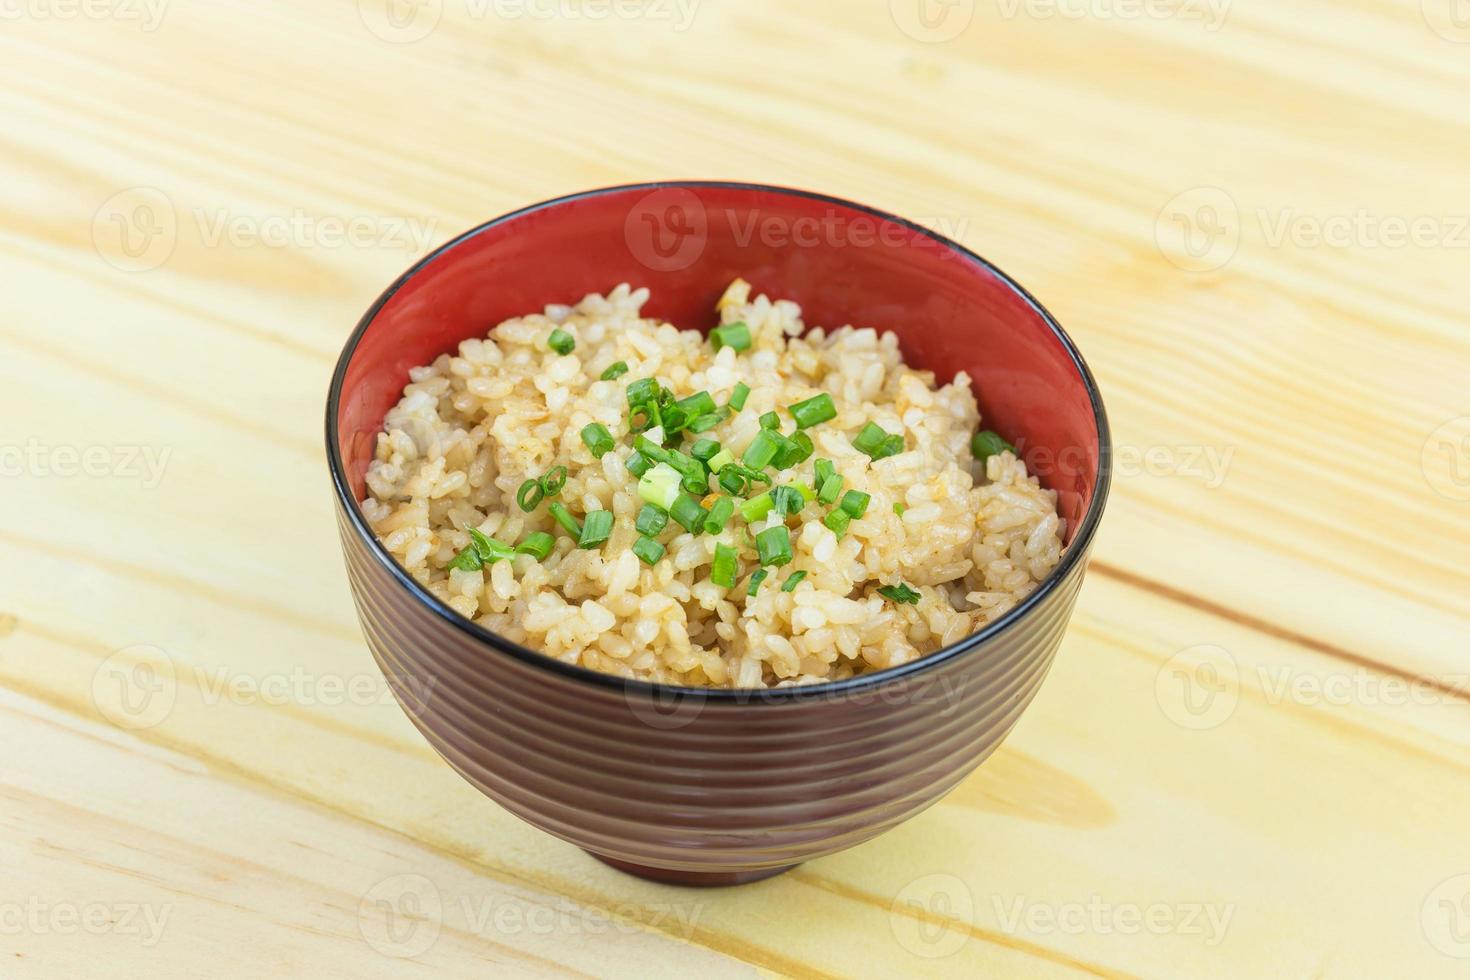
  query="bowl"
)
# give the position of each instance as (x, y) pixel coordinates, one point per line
(699, 786)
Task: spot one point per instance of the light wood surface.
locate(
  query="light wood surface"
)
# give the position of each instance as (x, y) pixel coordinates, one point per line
(1253, 755)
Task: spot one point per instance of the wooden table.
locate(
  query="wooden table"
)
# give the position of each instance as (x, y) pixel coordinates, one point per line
(1253, 755)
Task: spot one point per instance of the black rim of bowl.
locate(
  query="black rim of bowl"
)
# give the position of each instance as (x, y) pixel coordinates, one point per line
(1071, 556)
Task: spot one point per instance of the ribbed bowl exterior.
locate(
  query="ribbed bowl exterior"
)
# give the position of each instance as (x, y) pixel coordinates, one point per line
(689, 783)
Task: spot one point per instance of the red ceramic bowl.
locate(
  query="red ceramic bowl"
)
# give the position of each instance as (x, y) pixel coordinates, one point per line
(719, 786)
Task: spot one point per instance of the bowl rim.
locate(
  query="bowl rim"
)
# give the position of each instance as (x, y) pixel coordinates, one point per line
(1071, 558)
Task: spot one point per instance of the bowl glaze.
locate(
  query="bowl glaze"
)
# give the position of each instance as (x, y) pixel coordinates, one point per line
(716, 786)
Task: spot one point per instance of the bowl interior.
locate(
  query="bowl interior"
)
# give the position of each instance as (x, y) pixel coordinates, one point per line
(843, 263)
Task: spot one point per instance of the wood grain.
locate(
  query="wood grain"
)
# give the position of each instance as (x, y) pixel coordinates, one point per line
(1259, 713)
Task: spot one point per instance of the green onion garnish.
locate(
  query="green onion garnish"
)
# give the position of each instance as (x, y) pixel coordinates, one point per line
(787, 500)
(756, 507)
(756, 578)
(900, 593)
(837, 521)
(649, 449)
(596, 529)
(855, 502)
(723, 572)
(792, 581)
(481, 551)
(736, 335)
(831, 489)
(704, 449)
(615, 370)
(806, 492)
(561, 341)
(538, 545)
(798, 447)
(562, 516)
(705, 422)
(660, 486)
(900, 508)
(687, 511)
(813, 411)
(987, 444)
(651, 521)
(553, 480)
(770, 420)
(720, 513)
(870, 439)
(638, 464)
(597, 438)
(641, 392)
(892, 446)
(530, 495)
(731, 479)
(699, 403)
(719, 460)
(825, 469)
(738, 395)
(648, 550)
(762, 450)
(773, 545)
(467, 560)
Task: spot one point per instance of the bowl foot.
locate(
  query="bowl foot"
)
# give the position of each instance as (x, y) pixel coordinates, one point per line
(696, 879)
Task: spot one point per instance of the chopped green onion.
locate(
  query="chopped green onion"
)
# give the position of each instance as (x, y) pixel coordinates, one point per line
(798, 447)
(489, 550)
(837, 521)
(597, 438)
(723, 572)
(792, 581)
(687, 511)
(736, 335)
(824, 470)
(615, 370)
(831, 489)
(892, 446)
(660, 486)
(770, 420)
(596, 529)
(538, 545)
(855, 502)
(720, 513)
(787, 500)
(900, 508)
(699, 403)
(756, 579)
(704, 450)
(553, 480)
(564, 517)
(738, 395)
(870, 439)
(732, 480)
(651, 520)
(762, 450)
(641, 392)
(648, 550)
(773, 545)
(813, 411)
(806, 492)
(530, 494)
(756, 507)
(705, 422)
(467, 560)
(561, 341)
(719, 460)
(900, 593)
(638, 464)
(650, 449)
(987, 444)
